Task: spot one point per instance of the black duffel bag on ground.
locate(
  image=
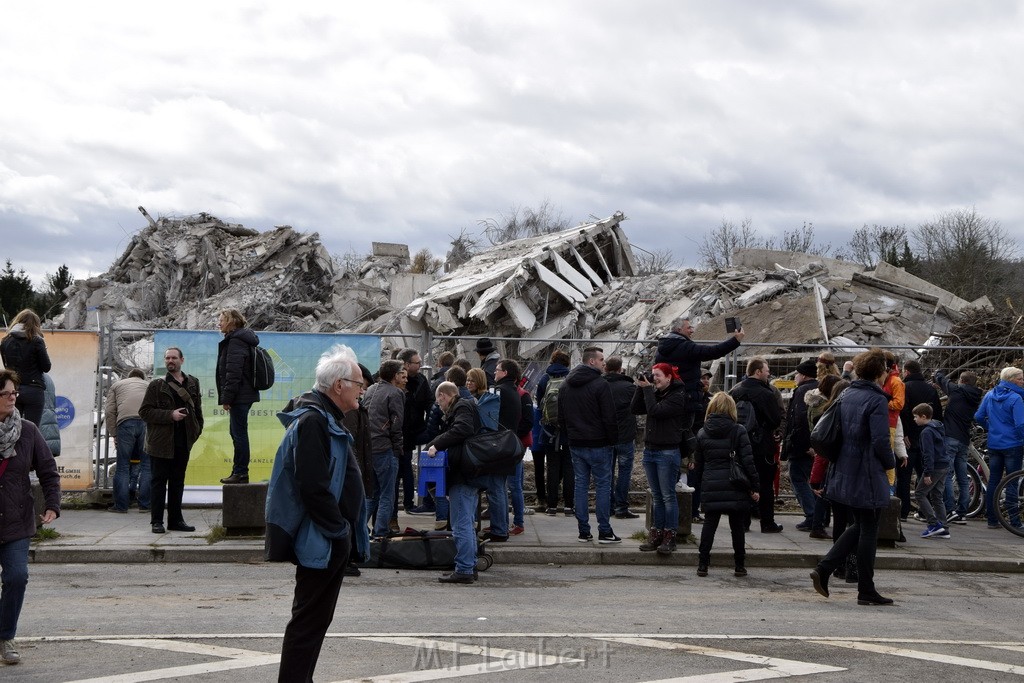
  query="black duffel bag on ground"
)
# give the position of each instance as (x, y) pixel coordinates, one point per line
(492, 453)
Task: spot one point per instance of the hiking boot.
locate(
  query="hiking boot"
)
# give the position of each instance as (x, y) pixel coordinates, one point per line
(653, 540)
(740, 571)
(9, 653)
(702, 568)
(668, 542)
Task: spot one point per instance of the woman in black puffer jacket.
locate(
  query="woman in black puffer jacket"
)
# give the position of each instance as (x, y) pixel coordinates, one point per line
(718, 442)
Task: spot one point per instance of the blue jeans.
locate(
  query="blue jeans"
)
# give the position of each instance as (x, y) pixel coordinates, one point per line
(131, 435)
(463, 499)
(497, 503)
(622, 457)
(239, 428)
(662, 469)
(515, 487)
(14, 579)
(385, 469)
(800, 477)
(596, 462)
(957, 452)
(1001, 462)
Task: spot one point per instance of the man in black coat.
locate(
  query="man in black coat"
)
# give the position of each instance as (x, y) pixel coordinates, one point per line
(918, 390)
(414, 428)
(623, 453)
(586, 413)
(964, 399)
(678, 349)
(755, 389)
(797, 442)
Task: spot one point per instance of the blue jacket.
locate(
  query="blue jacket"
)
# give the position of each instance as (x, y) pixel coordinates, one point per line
(933, 449)
(1002, 413)
(305, 513)
(858, 477)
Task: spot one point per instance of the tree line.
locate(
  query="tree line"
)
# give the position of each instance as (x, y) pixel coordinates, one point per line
(961, 250)
(17, 293)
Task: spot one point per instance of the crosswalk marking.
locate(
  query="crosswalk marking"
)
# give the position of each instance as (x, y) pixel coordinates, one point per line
(774, 667)
(235, 659)
(927, 656)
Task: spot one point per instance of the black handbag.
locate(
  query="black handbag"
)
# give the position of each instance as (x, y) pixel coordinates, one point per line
(737, 476)
(827, 435)
(492, 453)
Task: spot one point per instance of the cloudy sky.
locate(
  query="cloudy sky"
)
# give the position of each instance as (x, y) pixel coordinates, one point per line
(410, 121)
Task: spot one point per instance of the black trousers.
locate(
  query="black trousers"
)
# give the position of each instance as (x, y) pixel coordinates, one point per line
(737, 524)
(766, 475)
(560, 471)
(316, 597)
(30, 403)
(860, 537)
(168, 482)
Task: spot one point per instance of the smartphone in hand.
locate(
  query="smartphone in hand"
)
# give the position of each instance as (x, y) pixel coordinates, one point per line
(732, 324)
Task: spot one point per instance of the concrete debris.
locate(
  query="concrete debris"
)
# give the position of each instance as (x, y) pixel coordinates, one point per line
(578, 283)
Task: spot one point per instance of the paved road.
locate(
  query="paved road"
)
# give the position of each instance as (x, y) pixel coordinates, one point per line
(222, 622)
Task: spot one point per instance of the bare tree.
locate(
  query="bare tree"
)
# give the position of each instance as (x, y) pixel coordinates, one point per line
(969, 254)
(653, 262)
(521, 222)
(718, 244)
(424, 262)
(869, 245)
(349, 262)
(800, 240)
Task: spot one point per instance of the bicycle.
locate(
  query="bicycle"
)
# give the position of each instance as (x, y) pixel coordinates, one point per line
(1008, 497)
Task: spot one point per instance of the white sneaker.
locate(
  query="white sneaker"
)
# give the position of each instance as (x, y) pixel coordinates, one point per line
(8, 653)
(683, 487)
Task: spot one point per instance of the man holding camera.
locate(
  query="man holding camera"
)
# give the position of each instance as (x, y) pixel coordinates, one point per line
(173, 412)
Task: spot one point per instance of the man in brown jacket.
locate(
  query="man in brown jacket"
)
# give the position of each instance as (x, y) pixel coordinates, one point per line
(173, 413)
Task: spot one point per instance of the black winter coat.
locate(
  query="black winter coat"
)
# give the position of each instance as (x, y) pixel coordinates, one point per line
(27, 357)
(623, 390)
(964, 400)
(666, 415)
(586, 411)
(417, 401)
(720, 437)
(460, 422)
(798, 429)
(510, 411)
(686, 355)
(766, 408)
(918, 390)
(234, 367)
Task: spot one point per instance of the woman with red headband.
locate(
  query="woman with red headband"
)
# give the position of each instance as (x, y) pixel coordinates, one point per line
(662, 398)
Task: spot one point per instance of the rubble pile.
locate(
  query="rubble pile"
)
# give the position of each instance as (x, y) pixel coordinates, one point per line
(1002, 332)
(578, 283)
(178, 272)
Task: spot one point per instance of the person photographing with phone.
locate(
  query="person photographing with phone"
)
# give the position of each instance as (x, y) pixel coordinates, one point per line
(173, 412)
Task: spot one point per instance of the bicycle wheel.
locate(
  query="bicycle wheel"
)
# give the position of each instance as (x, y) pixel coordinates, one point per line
(1008, 502)
(976, 504)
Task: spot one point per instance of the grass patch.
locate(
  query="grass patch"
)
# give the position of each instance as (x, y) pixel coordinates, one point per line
(45, 533)
(639, 536)
(217, 533)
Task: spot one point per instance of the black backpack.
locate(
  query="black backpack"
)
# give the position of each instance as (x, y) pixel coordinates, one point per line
(262, 369)
(747, 417)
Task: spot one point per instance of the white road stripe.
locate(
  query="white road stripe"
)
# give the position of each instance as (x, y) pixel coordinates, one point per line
(187, 647)
(927, 656)
(184, 671)
(499, 660)
(775, 667)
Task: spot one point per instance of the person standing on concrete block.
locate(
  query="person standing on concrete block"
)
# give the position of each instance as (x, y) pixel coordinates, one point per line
(235, 390)
(121, 413)
(316, 512)
(624, 452)
(173, 412)
(663, 400)
(22, 450)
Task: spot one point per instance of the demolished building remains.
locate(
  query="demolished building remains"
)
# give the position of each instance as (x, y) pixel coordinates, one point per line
(580, 283)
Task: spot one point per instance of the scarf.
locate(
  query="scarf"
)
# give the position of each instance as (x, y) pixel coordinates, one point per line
(10, 432)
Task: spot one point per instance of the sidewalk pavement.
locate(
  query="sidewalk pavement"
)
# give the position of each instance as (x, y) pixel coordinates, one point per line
(101, 536)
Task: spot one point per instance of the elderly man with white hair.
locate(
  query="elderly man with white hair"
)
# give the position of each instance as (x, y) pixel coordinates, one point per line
(1001, 413)
(316, 508)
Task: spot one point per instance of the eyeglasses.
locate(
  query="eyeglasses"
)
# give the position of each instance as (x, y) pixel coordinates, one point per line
(361, 385)
(9, 394)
